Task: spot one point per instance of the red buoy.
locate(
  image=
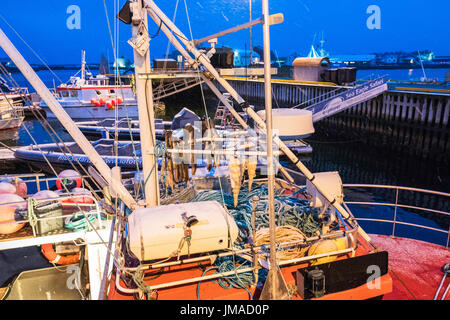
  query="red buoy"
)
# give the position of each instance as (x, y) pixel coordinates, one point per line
(70, 178)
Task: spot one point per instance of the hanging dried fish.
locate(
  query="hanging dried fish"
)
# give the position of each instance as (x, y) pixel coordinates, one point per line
(193, 160)
(251, 170)
(170, 168)
(235, 178)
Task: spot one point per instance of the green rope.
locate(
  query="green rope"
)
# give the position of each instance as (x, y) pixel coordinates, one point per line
(160, 152)
(289, 210)
(75, 223)
(237, 281)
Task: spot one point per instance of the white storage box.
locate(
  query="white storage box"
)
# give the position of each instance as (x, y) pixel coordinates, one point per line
(291, 123)
(156, 232)
(330, 183)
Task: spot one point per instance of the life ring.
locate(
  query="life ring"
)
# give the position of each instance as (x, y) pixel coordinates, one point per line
(50, 254)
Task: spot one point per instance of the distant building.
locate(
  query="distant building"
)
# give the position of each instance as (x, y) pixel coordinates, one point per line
(353, 60)
(389, 59)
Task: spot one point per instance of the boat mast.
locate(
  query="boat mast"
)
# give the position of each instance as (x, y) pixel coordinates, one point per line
(83, 65)
(251, 35)
(144, 96)
(65, 120)
(274, 288)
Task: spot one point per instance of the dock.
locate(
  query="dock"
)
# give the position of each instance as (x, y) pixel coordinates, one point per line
(9, 163)
(412, 118)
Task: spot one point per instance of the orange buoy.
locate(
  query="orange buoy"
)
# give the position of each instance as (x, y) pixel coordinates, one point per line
(50, 254)
(7, 188)
(21, 186)
(102, 101)
(94, 102)
(119, 100)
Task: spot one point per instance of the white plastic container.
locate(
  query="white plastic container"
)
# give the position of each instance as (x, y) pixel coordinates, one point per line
(330, 183)
(291, 123)
(156, 232)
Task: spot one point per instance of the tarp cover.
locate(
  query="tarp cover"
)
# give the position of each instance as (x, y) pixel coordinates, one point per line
(182, 118)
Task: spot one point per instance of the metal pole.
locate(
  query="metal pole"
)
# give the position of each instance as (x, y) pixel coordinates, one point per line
(268, 101)
(395, 211)
(144, 95)
(64, 118)
(251, 37)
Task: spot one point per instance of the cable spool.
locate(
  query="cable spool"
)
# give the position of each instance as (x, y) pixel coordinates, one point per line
(283, 234)
(323, 246)
(342, 242)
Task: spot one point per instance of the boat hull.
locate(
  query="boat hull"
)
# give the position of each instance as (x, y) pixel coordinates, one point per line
(89, 112)
(12, 123)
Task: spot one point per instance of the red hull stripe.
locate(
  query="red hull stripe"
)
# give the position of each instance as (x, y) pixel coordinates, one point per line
(91, 88)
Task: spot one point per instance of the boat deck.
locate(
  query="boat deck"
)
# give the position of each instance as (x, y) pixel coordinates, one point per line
(414, 266)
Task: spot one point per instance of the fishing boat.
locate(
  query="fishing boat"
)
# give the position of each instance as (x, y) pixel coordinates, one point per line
(88, 97)
(11, 117)
(251, 238)
(12, 101)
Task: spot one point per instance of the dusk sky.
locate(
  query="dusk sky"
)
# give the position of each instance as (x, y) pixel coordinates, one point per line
(406, 25)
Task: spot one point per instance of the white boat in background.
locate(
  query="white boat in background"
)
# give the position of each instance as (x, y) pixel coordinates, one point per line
(11, 117)
(88, 97)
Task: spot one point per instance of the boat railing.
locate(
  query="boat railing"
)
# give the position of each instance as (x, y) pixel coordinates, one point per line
(41, 182)
(64, 218)
(396, 205)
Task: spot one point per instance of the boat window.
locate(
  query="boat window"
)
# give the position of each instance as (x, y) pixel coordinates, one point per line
(74, 93)
(64, 93)
(111, 91)
(98, 92)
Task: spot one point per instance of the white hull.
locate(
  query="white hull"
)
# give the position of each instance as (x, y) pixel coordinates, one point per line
(92, 112)
(11, 123)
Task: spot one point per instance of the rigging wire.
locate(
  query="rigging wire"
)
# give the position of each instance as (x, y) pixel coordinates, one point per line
(34, 52)
(47, 127)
